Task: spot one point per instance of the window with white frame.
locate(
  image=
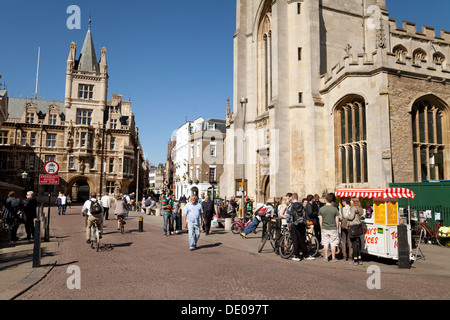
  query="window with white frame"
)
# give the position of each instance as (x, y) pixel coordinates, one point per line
(212, 173)
(51, 140)
(30, 117)
(84, 117)
(33, 139)
(113, 124)
(23, 140)
(71, 163)
(3, 138)
(85, 91)
(213, 149)
(52, 119)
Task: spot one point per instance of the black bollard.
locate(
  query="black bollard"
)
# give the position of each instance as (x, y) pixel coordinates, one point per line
(37, 241)
(403, 247)
(141, 224)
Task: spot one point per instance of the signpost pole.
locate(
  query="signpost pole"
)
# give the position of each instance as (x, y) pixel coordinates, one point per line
(47, 226)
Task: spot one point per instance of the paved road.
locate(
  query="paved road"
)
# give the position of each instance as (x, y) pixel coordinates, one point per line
(148, 266)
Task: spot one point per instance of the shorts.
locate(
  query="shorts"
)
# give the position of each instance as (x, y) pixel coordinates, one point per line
(330, 237)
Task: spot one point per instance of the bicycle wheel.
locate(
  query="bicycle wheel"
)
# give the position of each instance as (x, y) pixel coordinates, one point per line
(263, 242)
(122, 228)
(273, 239)
(441, 241)
(286, 247)
(236, 228)
(312, 244)
(92, 236)
(97, 239)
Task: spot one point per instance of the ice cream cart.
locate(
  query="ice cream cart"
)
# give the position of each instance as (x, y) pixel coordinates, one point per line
(381, 229)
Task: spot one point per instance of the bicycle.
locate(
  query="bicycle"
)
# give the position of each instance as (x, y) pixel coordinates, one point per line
(238, 226)
(122, 224)
(273, 234)
(286, 246)
(95, 236)
(428, 232)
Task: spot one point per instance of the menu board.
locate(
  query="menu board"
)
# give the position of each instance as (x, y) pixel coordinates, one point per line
(392, 213)
(380, 212)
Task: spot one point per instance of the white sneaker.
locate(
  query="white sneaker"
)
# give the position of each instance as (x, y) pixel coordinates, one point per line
(296, 259)
(310, 258)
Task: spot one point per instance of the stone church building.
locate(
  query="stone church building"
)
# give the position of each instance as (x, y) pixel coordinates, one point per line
(95, 141)
(335, 94)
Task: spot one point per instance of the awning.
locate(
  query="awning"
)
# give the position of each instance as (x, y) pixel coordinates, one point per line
(391, 193)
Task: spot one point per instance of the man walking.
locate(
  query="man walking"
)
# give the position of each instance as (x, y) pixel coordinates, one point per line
(208, 212)
(329, 224)
(29, 208)
(193, 212)
(106, 203)
(167, 204)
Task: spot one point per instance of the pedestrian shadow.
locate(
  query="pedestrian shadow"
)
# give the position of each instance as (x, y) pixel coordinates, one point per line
(109, 246)
(211, 245)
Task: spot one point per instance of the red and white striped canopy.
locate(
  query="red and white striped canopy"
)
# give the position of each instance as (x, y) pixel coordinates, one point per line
(391, 193)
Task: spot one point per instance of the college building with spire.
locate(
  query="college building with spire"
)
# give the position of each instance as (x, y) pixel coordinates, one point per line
(94, 140)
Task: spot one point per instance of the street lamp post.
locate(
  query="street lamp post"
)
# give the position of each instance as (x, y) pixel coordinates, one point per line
(244, 102)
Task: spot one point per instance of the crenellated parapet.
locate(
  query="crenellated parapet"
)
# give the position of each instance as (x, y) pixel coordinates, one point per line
(409, 52)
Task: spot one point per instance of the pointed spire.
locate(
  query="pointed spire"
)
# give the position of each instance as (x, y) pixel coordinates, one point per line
(88, 59)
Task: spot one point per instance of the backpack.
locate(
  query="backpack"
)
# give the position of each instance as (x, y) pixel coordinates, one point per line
(261, 211)
(298, 214)
(95, 208)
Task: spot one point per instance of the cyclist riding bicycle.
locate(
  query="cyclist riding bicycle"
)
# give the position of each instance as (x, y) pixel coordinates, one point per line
(119, 209)
(93, 209)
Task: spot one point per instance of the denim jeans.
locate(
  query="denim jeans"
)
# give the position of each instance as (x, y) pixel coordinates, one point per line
(252, 226)
(168, 222)
(176, 220)
(194, 234)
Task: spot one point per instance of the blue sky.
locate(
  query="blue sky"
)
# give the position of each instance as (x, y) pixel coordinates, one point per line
(173, 59)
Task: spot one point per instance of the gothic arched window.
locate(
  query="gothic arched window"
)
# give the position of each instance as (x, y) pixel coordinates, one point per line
(265, 60)
(350, 123)
(429, 131)
(400, 52)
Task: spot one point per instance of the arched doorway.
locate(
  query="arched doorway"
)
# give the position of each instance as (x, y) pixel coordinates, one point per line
(194, 191)
(80, 191)
(79, 188)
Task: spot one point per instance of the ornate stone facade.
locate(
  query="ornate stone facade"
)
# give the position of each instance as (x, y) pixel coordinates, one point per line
(347, 97)
(94, 140)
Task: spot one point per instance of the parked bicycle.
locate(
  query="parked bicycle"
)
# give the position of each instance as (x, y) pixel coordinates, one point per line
(286, 246)
(273, 235)
(237, 226)
(429, 233)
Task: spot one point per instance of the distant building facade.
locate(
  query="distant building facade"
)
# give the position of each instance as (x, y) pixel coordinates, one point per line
(94, 140)
(206, 156)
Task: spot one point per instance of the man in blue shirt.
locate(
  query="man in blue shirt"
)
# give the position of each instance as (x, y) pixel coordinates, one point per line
(192, 214)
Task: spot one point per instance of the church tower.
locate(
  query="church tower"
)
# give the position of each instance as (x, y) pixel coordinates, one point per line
(316, 83)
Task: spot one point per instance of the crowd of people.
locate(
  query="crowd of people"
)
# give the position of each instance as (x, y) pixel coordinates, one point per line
(17, 212)
(330, 225)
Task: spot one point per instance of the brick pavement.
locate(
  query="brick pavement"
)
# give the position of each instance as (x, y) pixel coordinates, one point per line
(17, 274)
